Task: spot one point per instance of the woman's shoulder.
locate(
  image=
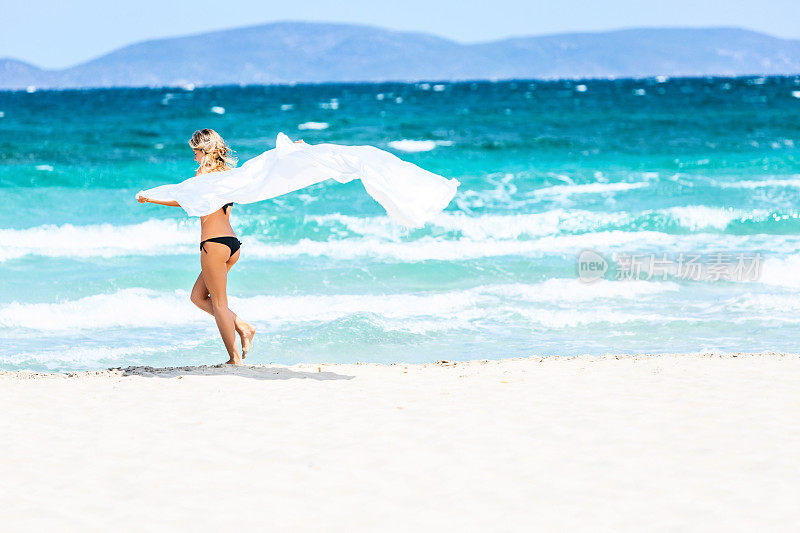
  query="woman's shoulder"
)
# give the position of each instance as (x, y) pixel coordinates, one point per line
(201, 171)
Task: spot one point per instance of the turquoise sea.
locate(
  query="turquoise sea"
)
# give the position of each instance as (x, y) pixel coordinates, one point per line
(667, 168)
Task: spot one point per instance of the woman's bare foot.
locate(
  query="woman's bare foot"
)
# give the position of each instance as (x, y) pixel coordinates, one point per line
(235, 360)
(247, 332)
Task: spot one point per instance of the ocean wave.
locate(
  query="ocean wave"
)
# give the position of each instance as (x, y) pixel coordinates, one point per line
(560, 221)
(606, 242)
(481, 227)
(588, 188)
(521, 192)
(313, 126)
(559, 319)
(760, 184)
(140, 307)
(92, 356)
(410, 145)
(100, 240)
(781, 271)
(766, 303)
(450, 236)
(572, 290)
(435, 249)
(699, 217)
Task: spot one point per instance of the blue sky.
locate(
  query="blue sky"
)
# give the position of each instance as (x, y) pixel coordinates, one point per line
(59, 33)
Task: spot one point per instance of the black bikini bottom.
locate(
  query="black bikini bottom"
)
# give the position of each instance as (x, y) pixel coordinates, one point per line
(231, 242)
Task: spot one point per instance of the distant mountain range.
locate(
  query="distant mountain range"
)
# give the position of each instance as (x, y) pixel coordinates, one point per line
(303, 52)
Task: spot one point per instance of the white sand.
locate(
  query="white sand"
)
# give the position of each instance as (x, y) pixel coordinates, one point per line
(660, 442)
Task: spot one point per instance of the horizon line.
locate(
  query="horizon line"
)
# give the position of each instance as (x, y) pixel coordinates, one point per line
(193, 86)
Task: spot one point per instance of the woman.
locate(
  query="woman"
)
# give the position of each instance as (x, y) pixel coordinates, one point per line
(411, 196)
(219, 249)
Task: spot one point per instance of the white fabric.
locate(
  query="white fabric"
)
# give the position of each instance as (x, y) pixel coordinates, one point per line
(410, 194)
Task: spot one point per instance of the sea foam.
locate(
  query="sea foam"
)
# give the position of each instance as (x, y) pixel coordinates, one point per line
(410, 145)
(139, 307)
(449, 236)
(100, 240)
(588, 188)
(313, 126)
(760, 184)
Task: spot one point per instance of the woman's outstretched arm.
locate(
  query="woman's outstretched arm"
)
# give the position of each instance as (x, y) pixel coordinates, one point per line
(171, 203)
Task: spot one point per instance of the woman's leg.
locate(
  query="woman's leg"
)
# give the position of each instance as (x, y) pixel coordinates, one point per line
(202, 299)
(215, 275)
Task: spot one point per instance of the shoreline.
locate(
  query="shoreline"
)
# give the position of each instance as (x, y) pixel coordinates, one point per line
(618, 442)
(143, 370)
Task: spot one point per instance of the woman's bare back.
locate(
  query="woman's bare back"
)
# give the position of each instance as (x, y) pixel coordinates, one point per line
(217, 224)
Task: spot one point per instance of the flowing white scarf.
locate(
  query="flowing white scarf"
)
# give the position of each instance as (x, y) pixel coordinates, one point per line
(411, 195)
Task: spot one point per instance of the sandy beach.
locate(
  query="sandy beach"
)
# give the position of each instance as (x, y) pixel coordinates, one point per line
(653, 442)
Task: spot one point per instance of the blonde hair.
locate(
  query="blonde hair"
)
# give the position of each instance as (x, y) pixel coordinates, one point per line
(216, 154)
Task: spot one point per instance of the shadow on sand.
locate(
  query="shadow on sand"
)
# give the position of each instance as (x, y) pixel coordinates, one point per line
(254, 372)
